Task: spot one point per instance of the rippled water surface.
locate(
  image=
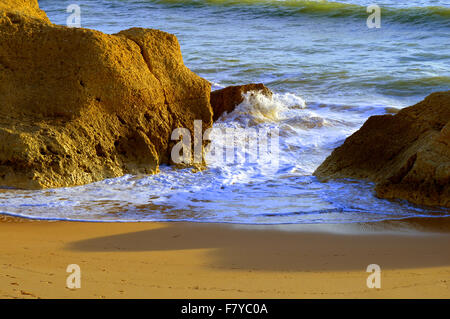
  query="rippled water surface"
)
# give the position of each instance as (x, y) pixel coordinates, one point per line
(329, 72)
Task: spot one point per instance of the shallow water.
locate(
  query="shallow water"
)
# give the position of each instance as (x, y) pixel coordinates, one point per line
(329, 71)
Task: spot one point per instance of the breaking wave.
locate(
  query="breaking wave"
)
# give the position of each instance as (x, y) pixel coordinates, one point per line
(330, 9)
(239, 191)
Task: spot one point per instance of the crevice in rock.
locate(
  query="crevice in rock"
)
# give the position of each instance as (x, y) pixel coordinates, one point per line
(149, 67)
(121, 120)
(398, 177)
(166, 104)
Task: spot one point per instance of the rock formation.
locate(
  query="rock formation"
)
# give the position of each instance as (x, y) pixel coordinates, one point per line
(29, 8)
(78, 106)
(225, 100)
(407, 155)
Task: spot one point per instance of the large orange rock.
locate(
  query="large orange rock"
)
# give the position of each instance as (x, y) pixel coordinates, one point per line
(407, 155)
(226, 100)
(29, 8)
(78, 106)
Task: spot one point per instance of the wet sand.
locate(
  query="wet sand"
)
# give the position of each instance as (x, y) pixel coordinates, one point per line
(187, 260)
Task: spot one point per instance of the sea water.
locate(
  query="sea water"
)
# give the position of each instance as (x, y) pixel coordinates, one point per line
(329, 72)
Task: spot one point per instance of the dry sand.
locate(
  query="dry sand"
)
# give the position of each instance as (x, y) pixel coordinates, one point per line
(185, 260)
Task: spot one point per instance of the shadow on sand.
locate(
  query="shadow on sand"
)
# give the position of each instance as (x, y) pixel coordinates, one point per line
(300, 248)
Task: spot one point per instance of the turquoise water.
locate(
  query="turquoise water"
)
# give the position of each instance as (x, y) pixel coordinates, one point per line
(329, 71)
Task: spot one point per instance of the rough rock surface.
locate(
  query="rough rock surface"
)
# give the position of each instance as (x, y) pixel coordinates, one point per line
(225, 100)
(407, 155)
(28, 8)
(79, 106)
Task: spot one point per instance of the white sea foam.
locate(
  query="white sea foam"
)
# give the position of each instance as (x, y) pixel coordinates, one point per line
(234, 192)
(290, 48)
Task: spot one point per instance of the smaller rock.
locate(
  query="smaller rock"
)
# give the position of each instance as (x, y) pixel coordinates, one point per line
(407, 154)
(225, 100)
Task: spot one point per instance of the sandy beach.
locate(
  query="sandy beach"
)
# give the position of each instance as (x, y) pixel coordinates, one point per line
(267, 138)
(188, 260)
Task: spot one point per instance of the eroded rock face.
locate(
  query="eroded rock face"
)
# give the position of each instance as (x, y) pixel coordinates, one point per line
(29, 8)
(407, 154)
(225, 100)
(78, 106)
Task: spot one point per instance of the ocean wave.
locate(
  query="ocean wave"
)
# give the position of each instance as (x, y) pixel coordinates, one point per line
(408, 87)
(269, 190)
(258, 108)
(415, 14)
